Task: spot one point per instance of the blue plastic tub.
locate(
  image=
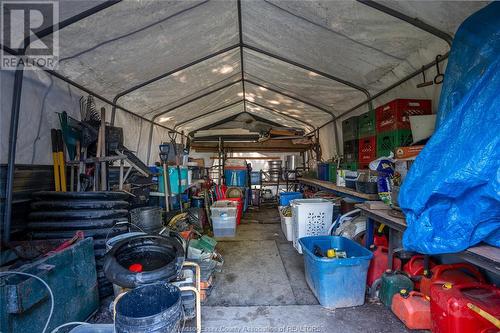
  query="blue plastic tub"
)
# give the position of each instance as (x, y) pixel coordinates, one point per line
(286, 197)
(236, 177)
(255, 177)
(336, 283)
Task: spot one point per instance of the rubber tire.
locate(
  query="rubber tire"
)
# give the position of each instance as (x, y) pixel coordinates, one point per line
(121, 276)
(77, 214)
(103, 195)
(78, 204)
(95, 233)
(76, 225)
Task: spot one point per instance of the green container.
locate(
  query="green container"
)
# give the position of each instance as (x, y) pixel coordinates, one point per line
(353, 166)
(332, 175)
(366, 124)
(393, 283)
(350, 129)
(70, 273)
(388, 141)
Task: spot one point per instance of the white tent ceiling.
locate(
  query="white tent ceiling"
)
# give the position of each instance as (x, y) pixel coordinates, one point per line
(304, 59)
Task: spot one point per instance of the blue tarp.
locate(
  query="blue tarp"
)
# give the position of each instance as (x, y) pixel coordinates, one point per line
(451, 195)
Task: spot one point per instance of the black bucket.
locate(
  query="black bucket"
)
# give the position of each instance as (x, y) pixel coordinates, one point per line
(144, 259)
(151, 308)
(148, 219)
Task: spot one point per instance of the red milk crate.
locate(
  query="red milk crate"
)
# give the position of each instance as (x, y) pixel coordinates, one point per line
(367, 149)
(395, 115)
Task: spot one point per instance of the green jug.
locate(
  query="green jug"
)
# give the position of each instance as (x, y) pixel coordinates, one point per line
(392, 283)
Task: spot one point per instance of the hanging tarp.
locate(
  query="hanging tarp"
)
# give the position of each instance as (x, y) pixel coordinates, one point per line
(451, 196)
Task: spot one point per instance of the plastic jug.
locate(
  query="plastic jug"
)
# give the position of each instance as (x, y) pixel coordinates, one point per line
(465, 308)
(454, 273)
(415, 269)
(380, 263)
(413, 309)
(392, 283)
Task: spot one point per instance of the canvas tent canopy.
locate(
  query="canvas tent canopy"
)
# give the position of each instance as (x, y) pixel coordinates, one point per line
(183, 65)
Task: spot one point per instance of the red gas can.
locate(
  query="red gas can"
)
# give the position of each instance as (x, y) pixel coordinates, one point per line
(465, 308)
(415, 268)
(380, 263)
(413, 309)
(455, 273)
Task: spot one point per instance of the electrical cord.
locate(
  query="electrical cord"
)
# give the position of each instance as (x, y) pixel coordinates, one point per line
(55, 330)
(46, 286)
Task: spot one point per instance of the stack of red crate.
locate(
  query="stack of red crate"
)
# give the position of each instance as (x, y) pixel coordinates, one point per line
(393, 123)
(395, 115)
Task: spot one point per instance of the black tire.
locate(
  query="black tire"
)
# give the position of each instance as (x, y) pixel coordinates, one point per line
(57, 205)
(103, 195)
(77, 224)
(78, 214)
(123, 277)
(95, 233)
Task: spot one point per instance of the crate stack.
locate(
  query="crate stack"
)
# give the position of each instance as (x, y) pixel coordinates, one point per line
(350, 138)
(367, 141)
(393, 123)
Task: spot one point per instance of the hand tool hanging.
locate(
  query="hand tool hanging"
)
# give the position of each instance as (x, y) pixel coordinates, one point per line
(62, 162)
(104, 183)
(55, 159)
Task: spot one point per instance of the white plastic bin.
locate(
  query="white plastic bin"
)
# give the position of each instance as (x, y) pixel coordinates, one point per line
(286, 225)
(224, 206)
(310, 217)
(223, 217)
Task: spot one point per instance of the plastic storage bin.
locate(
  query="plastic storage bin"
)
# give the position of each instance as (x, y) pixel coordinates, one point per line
(224, 215)
(255, 178)
(240, 206)
(323, 171)
(311, 217)
(173, 178)
(336, 283)
(236, 177)
(286, 225)
(286, 197)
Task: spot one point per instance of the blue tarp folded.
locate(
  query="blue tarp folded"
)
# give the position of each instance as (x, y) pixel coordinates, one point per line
(451, 196)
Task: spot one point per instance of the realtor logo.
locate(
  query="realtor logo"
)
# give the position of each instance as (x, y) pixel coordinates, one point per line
(22, 24)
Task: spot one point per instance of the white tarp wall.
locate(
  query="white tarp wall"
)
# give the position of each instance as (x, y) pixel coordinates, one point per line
(324, 54)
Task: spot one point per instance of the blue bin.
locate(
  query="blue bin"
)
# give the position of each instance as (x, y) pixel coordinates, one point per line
(286, 197)
(236, 177)
(336, 283)
(323, 171)
(255, 177)
(173, 177)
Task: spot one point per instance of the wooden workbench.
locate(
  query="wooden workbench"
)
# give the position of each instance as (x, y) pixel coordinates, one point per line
(341, 190)
(484, 256)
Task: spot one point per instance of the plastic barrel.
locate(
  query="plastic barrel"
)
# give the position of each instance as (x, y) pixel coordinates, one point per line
(147, 219)
(151, 308)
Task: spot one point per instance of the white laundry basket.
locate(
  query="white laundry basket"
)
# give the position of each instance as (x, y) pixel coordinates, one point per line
(311, 217)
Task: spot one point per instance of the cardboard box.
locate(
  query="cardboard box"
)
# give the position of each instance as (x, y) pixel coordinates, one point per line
(407, 152)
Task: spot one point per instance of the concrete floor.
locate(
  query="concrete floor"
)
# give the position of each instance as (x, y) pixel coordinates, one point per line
(262, 288)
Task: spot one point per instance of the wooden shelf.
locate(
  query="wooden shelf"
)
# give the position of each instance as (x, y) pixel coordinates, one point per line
(339, 189)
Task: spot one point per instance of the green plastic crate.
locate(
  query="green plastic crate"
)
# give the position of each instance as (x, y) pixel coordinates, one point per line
(366, 124)
(388, 141)
(353, 166)
(351, 150)
(350, 129)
